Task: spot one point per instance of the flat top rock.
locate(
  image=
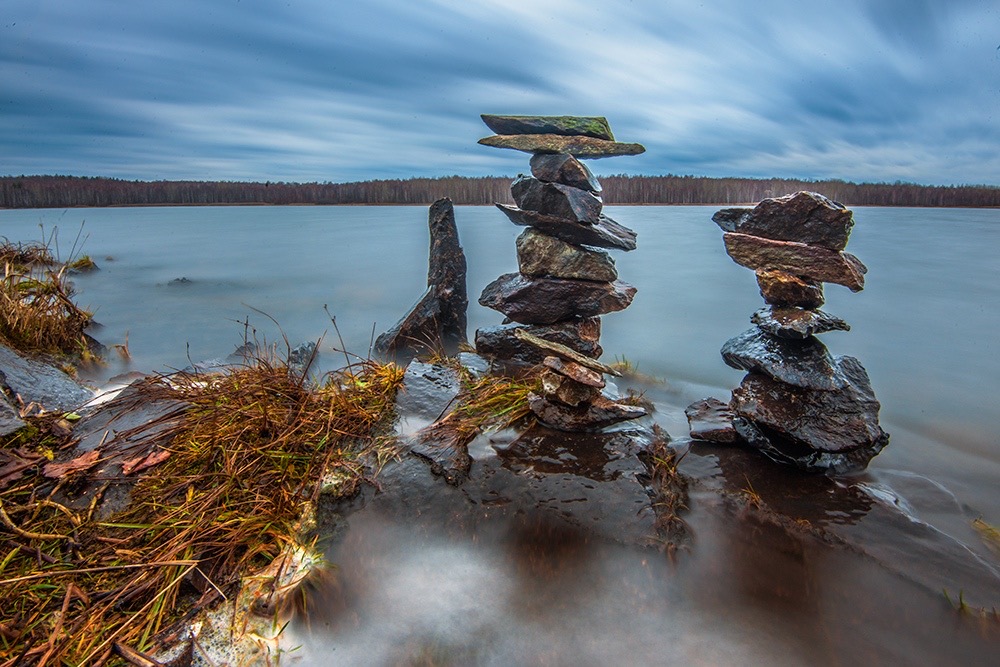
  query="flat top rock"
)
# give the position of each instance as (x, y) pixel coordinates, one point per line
(565, 353)
(587, 126)
(803, 363)
(803, 217)
(581, 147)
(800, 259)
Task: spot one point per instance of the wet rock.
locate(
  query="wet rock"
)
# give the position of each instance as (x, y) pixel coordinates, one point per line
(565, 169)
(438, 321)
(549, 300)
(587, 126)
(784, 289)
(301, 358)
(812, 262)
(540, 255)
(803, 217)
(445, 449)
(581, 147)
(796, 323)
(501, 342)
(605, 233)
(474, 364)
(562, 389)
(183, 280)
(10, 420)
(565, 353)
(803, 363)
(41, 383)
(710, 419)
(575, 371)
(555, 199)
(593, 416)
(429, 390)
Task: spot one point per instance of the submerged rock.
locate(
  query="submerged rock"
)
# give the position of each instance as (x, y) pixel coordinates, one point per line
(549, 300)
(556, 199)
(501, 342)
(540, 255)
(438, 321)
(780, 288)
(812, 262)
(803, 363)
(587, 126)
(578, 146)
(710, 419)
(605, 233)
(803, 217)
(796, 323)
(565, 169)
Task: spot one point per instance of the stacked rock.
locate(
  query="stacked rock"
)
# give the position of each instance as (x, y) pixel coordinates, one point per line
(565, 281)
(798, 404)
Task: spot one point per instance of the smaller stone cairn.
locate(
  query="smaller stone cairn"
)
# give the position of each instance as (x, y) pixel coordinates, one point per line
(565, 281)
(798, 404)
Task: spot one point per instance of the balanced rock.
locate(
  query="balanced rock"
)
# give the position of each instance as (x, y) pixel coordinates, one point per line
(548, 300)
(812, 262)
(539, 255)
(605, 233)
(565, 169)
(803, 217)
(575, 371)
(578, 146)
(556, 199)
(599, 413)
(586, 126)
(566, 353)
(561, 389)
(780, 288)
(803, 363)
(796, 323)
(711, 420)
(438, 320)
(501, 342)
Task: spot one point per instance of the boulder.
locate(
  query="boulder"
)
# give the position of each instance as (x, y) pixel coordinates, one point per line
(605, 233)
(586, 126)
(783, 289)
(501, 342)
(555, 199)
(541, 255)
(549, 300)
(580, 147)
(438, 321)
(803, 217)
(803, 363)
(710, 419)
(811, 262)
(796, 323)
(593, 416)
(565, 169)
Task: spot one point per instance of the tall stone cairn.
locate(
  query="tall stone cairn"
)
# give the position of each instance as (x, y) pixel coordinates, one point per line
(798, 404)
(565, 280)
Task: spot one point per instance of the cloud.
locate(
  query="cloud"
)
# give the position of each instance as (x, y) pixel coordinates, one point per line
(311, 90)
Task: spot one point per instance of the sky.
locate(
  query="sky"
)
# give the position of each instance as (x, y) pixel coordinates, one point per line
(349, 90)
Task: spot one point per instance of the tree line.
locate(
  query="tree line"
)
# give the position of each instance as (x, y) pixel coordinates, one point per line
(78, 191)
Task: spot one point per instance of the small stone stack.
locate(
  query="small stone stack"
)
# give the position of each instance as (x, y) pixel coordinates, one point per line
(565, 282)
(798, 404)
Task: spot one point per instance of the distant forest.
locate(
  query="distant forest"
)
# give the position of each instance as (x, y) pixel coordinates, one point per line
(73, 191)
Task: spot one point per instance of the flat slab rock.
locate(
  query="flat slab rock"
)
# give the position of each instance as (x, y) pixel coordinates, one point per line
(802, 363)
(577, 146)
(586, 126)
(605, 233)
(796, 323)
(501, 342)
(38, 382)
(541, 255)
(711, 420)
(549, 300)
(804, 217)
(812, 262)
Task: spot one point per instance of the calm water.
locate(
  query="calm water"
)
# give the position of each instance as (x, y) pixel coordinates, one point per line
(925, 327)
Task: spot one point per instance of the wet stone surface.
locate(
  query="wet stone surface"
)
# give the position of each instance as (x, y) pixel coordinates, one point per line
(803, 363)
(710, 419)
(501, 342)
(36, 382)
(796, 323)
(550, 300)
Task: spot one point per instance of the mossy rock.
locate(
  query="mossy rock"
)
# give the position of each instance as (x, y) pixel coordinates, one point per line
(567, 126)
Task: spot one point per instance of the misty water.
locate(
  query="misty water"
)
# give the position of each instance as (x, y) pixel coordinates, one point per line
(186, 284)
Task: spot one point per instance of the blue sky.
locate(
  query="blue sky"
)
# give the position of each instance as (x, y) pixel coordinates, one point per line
(332, 90)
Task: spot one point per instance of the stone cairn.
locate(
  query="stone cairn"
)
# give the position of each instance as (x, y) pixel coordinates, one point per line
(798, 404)
(565, 282)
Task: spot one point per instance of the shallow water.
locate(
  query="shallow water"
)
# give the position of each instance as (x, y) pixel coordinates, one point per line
(925, 327)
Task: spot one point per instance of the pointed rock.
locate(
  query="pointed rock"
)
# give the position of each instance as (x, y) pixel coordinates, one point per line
(605, 233)
(783, 289)
(580, 147)
(540, 255)
(593, 416)
(803, 363)
(501, 342)
(549, 300)
(803, 217)
(812, 262)
(587, 126)
(555, 199)
(796, 323)
(565, 169)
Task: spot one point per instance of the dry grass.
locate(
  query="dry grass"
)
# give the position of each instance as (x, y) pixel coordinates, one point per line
(243, 461)
(669, 488)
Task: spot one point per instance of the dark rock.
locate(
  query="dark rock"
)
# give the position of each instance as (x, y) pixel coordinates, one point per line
(605, 233)
(803, 363)
(41, 383)
(565, 169)
(301, 358)
(812, 262)
(183, 280)
(501, 342)
(10, 419)
(438, 321)
(783, 289)
(445, 448)
(566, 353)
(803, 217)
(428, 390)
(586, 126)
(710, 419)
(796, 323)
(549, 300)
(555, 199)
(569, 392)
(474, 364)
(581, 147)
(593, 416)
(575, 371)
(540, 255)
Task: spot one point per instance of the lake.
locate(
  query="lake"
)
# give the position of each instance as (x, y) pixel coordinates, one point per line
(185, 284)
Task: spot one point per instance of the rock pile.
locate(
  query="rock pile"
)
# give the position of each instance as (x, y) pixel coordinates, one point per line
(798, 404)
(565, 280)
